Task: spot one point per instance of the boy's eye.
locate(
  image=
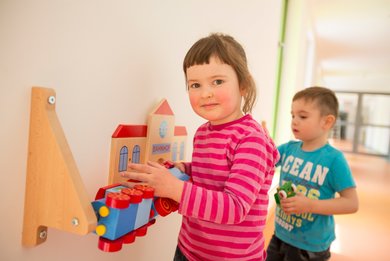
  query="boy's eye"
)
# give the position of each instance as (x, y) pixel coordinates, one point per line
(218, 82)
(299, 116)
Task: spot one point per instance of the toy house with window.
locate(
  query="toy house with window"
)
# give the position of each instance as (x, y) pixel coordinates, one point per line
(159, 139)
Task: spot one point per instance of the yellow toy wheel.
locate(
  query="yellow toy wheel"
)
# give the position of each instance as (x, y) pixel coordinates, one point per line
(100, 230)
(104, 211)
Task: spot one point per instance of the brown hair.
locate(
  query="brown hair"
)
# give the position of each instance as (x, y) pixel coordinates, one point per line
(325, 99)
(228, 51)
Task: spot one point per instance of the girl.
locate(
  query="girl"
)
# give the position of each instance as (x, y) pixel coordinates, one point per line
(224, 207)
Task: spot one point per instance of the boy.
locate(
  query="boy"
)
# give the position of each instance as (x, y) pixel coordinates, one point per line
(304, 224)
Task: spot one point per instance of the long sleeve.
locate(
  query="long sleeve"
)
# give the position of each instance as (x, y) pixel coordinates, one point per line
(242, 185)
(225, 204)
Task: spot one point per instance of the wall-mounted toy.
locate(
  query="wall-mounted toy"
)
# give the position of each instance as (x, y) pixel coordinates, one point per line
(124, 213)
(288, 189)
(159, 139)
(55, 194)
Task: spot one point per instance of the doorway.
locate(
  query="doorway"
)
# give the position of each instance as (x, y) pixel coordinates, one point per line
(363, 125)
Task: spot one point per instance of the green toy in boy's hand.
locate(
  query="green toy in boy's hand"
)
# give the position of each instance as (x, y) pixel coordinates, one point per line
(287, 190)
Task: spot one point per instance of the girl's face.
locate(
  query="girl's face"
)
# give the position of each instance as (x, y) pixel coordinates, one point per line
(214, 92)
(307, 123)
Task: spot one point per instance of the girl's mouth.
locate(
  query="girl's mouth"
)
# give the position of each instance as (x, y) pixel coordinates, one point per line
(209, 105)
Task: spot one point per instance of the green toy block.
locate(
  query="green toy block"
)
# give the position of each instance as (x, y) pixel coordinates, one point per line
(287, 190)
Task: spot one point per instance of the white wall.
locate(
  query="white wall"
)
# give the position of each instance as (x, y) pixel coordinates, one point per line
(295, 62)
(110, 62)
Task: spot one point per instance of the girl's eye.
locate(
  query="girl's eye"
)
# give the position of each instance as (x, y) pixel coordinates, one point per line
(218, 82)
(194, 85)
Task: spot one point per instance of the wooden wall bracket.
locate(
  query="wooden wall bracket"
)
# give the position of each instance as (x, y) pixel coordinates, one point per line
(55, 195)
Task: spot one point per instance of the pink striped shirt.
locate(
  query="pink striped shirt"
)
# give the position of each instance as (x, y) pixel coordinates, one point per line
(224, 208)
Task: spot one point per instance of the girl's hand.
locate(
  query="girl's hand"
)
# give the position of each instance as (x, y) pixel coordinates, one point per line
(157, 176)
(180, 166)
(296, 205)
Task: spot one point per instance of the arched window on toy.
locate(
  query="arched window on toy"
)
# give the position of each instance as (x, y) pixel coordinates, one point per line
(163, 129)
(174, 152)
(182, 150)
(123, 159)
(136, 154)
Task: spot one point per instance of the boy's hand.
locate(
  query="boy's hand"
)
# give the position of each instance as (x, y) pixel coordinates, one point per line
(157, 176)
(296, 205)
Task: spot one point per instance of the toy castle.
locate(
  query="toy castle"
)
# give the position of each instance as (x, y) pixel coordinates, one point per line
(159, 139)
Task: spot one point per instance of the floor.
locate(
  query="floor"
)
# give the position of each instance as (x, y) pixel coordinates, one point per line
(364, 235)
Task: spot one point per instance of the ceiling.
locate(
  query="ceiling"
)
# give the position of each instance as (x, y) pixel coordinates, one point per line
(353, 43)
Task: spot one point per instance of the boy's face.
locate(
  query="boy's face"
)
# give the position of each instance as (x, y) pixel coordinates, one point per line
(307, 124)
(214, 91)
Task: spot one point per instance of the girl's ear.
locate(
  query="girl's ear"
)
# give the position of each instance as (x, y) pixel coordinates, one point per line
(330, 120)
(243, 91)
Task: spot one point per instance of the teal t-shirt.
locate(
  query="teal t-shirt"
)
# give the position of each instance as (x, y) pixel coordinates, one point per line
(317, 174)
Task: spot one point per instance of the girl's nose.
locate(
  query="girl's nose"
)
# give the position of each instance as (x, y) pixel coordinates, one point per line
(207, 92)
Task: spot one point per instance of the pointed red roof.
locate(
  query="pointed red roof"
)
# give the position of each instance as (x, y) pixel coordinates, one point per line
(164, 109)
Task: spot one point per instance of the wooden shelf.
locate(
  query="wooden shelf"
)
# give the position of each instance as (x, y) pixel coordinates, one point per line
(55, 195)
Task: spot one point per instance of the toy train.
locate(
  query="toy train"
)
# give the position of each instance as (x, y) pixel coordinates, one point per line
(124, 213)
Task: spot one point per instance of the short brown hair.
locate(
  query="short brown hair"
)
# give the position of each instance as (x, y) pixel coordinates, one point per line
(228, 51)
(325, 99)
